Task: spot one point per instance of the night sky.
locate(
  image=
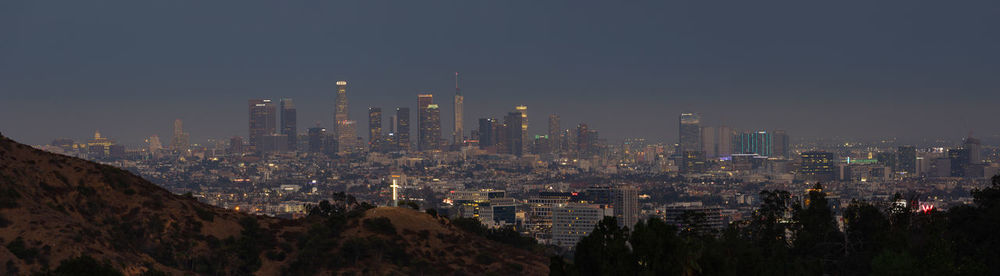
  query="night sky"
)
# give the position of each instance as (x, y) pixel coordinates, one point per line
(909, 69)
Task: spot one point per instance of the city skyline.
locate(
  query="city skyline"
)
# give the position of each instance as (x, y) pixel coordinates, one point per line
(911, 78)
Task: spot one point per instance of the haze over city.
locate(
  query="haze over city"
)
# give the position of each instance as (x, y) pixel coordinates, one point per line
(913, 70)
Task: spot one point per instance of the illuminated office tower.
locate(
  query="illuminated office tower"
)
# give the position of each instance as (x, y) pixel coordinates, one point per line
(262, 121)
(181, 140)
(690, 132)
(753, 142)
(341, 111)
(523, 109)
(316, 137)
(514, 134)
(487, 136)
(434, 115)
(288, 123)
(907, 159)
(428, 123)
(374, 128)
(779, 144)
(346, 129)
(555, 133)
(459, 130)
(403, 128)
(817, 166)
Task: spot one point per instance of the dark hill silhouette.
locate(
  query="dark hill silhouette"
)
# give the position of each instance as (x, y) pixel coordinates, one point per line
(57, 210)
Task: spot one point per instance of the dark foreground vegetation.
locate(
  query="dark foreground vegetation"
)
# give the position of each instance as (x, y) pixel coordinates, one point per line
(788, 238)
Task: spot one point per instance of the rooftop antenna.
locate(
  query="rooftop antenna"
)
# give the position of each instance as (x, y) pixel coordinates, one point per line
(457, 91)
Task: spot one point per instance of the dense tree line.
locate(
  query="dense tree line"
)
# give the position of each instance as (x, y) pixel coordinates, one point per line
(786, 237)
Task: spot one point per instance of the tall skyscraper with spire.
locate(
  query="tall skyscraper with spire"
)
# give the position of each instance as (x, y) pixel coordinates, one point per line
(344, 127)
(459, 130)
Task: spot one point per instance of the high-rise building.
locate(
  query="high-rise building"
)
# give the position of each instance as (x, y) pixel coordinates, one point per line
(181, 140)
(402, 130)
(236, 145)
(626, 205)
(523, 109)
(346, 129)
(710, 141)
(153, 141)
(374, 128)
(573, 221)
(514, 134)
(907, 159)
(428, 124)
(975, 149)
(753, 142)
(288, 123)
(817, 166)
(690, 132)
(262, 121)
(586, 141)
(341, 111)
(960, 160)
(316, 137)
(555, 132)
(725, 141)
(779, 144)
(541, 144)
(487, 136)
(582, 147)
(458, 135)
(347, 138)
(714, 221)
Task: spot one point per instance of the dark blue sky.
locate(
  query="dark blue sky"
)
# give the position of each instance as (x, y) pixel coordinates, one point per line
(815, 68)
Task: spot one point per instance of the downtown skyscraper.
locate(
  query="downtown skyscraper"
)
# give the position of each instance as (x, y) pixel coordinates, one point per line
(523, 109)
(459, 129)
(513, 140)
(402, 128)
(262, 121)
(754, 142)
(428, 123)
(344, 127)
(289, 126)
(374, 128)
(689, 133)
(555, 137)
(181, 140)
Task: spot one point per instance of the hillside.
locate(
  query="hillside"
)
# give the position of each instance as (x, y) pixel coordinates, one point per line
(55, 208)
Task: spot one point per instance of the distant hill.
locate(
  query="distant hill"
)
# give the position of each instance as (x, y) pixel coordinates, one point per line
(57, 211)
